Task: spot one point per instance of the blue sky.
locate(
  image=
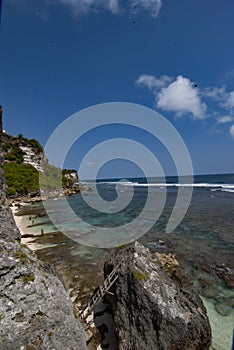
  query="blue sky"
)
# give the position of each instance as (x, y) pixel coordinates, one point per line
(177, 57)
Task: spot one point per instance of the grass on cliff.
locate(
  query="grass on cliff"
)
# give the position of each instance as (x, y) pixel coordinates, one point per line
(15, 153)
(139, 276)
(24, 178)
(20, 178)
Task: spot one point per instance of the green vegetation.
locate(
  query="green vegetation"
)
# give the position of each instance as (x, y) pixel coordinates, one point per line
(24, 245)
(15, 154)
(139, 276)
(51, 179)
(19, 254)
(31, 143)
(156, 262)
(29, 278)
(6, 146)
(66, 181)
(30, 347)
(120, 247)
(1, 317)
(20, 178)
(24, 178)
(68, 171)
(35, 145)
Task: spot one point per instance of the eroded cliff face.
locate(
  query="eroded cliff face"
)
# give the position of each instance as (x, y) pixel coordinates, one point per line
(152, 308)
(35, 310)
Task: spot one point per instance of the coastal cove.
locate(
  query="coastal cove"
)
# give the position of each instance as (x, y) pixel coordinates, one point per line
(117, 175)
(202, 243)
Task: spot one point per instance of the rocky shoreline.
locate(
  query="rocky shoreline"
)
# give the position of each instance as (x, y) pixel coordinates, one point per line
(152, 305)
(81, 293)
(36, 197)
(35, 309)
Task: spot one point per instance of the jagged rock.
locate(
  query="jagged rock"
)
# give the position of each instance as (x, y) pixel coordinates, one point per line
(169, 263)
(33, 158)
(152, 310)
(35, 309)
(88, 335)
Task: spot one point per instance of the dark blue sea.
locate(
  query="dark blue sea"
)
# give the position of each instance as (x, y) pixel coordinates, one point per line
(203, 242)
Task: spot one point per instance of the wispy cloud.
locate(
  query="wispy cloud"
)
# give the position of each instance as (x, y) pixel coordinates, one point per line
(114, 6)
(225, 119)
(216, 93)
(84, 6)
(229, 103)
(152, 6)
(231, 130)
(152, 82)
(224, 98)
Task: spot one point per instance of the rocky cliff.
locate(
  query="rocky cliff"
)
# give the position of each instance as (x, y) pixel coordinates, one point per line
(152, 307)
(22, 149)
(28, 172)
(35, 310)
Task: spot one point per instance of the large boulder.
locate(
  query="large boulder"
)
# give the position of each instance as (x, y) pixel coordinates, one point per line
(152, 307)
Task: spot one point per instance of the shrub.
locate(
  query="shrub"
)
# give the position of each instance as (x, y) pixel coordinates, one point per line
(15, 154)
(139, 276)
(36, 145)
(20, 178)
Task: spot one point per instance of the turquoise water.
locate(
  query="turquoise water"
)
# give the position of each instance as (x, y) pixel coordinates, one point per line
(203, 242)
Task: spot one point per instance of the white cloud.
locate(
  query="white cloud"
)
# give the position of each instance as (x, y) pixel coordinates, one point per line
(231, 130)
(114, 6)
(230, 100)
(181, 97)
(217, 94)
(224, 119)
(153, 6)
(220, 95)
(84, 6)
(153, 83)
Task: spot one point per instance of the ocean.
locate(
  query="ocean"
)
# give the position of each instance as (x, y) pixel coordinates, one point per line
(202, 242)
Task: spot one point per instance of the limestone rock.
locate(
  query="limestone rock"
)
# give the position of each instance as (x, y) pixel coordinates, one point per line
(169, 262)
(152, 310)
(35, 309)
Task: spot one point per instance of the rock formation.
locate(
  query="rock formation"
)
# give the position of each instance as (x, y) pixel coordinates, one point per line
(152, 307)
(35, 310)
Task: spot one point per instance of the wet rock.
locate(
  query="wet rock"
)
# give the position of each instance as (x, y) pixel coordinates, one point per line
(210, 293)
(151, 309)
(223, 309)
(204, 282)
(223, 272)
(228, 277)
